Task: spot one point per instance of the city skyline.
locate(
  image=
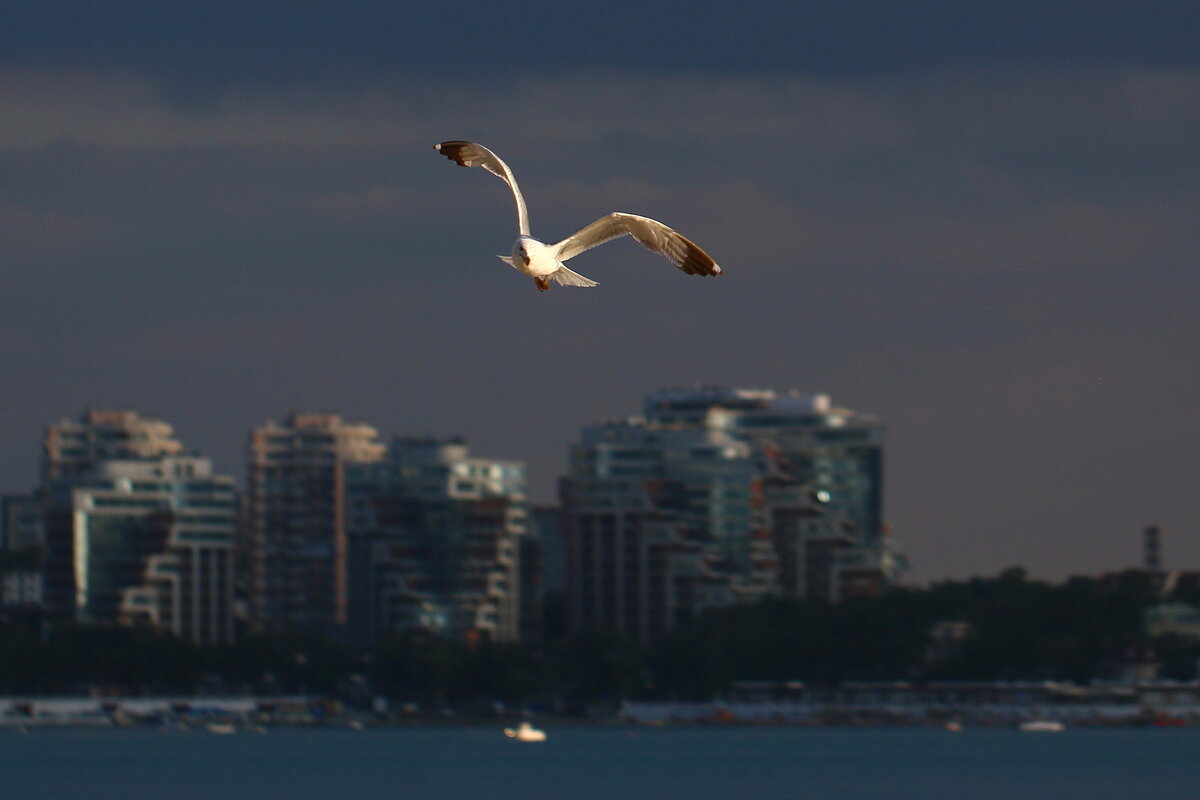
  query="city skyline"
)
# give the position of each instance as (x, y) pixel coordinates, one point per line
(977, 224)
(245, 468)
(714, 497)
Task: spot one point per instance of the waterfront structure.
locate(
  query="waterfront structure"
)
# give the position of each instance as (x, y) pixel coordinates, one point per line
(974, 703)
(436, 539)
(294, 539)
(153, 544)
(129, 528)
(1173, 619)
(720, 495)
(657, 526)
(72, 451)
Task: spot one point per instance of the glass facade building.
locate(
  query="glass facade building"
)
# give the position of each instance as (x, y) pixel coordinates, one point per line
(133, 530)
(435, 538)
(153, 543)
(719, 495)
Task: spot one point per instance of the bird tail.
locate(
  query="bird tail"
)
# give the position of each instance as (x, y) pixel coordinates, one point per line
(565, 277)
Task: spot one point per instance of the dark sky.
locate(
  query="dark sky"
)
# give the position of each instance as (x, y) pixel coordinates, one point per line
(978, 225)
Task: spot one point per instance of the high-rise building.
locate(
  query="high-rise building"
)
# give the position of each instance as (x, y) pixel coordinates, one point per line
(657, 525)
(72, 450)
(295, 543)
(719, 495)
(435, 540)
(153, 543)
(802, 439)
(134, 531)
(75, 447)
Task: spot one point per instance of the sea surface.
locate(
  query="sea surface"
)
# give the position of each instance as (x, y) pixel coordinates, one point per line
(600, 763)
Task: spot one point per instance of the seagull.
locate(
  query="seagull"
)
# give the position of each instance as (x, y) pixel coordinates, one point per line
(544, 262)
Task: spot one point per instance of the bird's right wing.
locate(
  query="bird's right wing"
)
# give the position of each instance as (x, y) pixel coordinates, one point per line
(470, 154)
(649, 233)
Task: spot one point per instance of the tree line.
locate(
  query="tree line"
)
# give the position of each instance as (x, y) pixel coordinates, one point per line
(1007, 627)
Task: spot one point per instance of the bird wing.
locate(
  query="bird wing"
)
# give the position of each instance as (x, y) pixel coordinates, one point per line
(649, 233)
(469, 154)
(566, 277)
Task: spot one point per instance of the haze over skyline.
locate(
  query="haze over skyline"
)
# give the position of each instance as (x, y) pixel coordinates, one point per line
(977, 225)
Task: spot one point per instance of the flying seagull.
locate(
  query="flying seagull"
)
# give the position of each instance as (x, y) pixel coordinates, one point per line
(544, 262)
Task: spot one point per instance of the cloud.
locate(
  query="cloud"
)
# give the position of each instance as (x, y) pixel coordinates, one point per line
(204, 49)
(26, 230)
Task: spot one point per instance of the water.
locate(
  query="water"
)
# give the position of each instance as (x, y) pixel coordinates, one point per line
(601, 764)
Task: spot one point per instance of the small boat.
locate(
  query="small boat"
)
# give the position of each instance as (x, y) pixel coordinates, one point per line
(1042, 726)
(954, 726)
(525, 733)
(221, 727)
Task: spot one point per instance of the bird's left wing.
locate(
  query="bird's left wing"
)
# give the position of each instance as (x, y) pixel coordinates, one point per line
(649, 233)
(470, 154)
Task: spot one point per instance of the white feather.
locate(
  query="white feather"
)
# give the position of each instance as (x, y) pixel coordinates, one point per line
(543, 261)
(566, 277)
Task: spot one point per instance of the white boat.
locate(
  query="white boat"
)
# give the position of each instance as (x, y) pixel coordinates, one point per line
(1042, 726)
(525, 733)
